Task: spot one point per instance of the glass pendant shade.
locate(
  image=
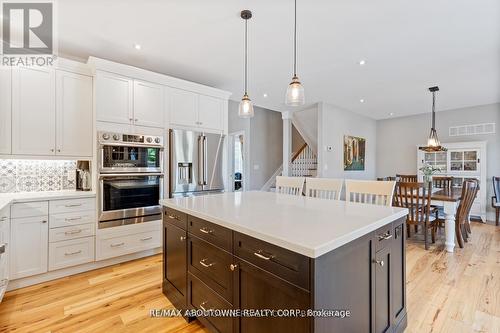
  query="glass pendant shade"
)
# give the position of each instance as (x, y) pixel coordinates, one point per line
(295, 93)
(245, 109)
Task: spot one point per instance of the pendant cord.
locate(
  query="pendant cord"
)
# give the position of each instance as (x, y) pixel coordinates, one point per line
(295, 42)
(246, 55)
(434, 110)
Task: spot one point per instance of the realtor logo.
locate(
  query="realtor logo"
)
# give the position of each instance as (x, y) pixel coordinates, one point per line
(27, 28)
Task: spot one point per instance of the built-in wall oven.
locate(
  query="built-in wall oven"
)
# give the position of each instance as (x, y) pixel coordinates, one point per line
(130, 178)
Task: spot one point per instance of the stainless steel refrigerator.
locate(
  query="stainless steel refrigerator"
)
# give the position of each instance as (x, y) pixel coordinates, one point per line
(195, 163)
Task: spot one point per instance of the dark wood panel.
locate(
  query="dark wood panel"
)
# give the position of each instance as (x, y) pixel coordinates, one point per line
(286, 264)
(212, 233)
(176, 257)
(398, 271)
(175, 217)
(383, 295)
(342, 280)
(258, 289)
(201, 297)
(211, 265)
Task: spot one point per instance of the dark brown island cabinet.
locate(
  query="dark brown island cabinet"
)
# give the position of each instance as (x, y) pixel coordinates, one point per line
(358, 287)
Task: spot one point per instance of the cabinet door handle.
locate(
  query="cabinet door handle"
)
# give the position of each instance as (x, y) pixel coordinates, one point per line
(206, 230)
(183, 238)
(3, 218)
(379, 262)
(118, 244)
(68, 219)
(72, 253)
(173, 217)
(262, 256)
(136, 120)
(202, 306)
(73, 232)
(147, 238)
(131, 119)
(72, 205)
(44, 221)
(59, 150)
(2, 248)
(385, 236)
(202, 262)
(52, 150)
(233, 267)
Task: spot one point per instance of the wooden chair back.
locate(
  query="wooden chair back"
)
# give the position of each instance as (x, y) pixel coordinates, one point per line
(324, 188)
(406, 178)
(417, 198)
(469, 192)
(444, 182)
(369, 191)
(289, 185)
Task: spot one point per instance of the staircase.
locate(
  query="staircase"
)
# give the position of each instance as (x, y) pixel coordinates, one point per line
(304, 164)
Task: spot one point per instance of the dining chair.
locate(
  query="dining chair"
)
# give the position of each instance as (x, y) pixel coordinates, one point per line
(406, 178)
(369, 191)
(469, 192)
(495, 200)
(324, 188)
(444, 182)
(416, 197)
(289, 185)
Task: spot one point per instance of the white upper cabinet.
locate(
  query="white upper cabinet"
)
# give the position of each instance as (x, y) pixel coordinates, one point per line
(114, 98)
(5, 110)
(74, 125)
(148, 104)
(210, 112)
(194, 110)
(183, 107)
(33, 111)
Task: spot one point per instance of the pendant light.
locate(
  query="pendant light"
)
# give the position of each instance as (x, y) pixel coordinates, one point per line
(295, 91)
(433, 144)
(245, 109)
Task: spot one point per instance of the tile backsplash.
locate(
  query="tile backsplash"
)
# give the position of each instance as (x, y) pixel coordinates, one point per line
(36, 175)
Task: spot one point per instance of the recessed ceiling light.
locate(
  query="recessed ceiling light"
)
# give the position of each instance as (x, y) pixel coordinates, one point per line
(265, 95)
(361, 100)
(391, 114)
(362, 62)
(137, 46)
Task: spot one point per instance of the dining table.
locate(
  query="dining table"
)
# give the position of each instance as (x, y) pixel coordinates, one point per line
(449, 200)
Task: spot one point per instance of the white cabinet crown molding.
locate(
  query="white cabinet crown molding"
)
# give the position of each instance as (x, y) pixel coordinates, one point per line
(97, 64)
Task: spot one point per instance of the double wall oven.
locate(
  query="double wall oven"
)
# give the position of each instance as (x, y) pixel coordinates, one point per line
(130, 178)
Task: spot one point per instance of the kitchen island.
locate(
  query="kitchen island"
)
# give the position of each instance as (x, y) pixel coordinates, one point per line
(307, 264)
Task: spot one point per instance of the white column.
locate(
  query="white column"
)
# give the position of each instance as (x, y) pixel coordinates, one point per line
(287, 141)
(450, 209)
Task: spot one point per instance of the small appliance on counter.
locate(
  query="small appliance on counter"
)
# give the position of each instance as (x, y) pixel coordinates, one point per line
(83, 176)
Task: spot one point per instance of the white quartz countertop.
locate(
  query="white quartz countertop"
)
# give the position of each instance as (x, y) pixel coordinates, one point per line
(308, 226)
(8, 198)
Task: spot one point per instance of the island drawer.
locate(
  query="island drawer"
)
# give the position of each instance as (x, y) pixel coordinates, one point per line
(290, 266)
(212, 233)
(211, 265)
(383, 237)
(204, 298)
(175, 217)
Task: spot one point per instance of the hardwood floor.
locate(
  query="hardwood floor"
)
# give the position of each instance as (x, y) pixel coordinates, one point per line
(457, 292)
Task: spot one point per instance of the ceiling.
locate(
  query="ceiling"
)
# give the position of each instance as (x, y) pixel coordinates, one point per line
(408, 46)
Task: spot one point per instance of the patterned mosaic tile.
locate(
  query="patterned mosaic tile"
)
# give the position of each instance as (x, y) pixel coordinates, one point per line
(36, 175)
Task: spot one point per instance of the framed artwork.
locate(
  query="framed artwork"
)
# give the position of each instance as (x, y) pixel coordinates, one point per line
(354, 153)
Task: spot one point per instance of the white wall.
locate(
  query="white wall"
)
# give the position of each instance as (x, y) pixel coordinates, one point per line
(397, 139)
(333, 124)
(264, 139)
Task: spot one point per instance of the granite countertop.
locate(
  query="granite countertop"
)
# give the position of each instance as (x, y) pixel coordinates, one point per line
(308, 226)
(8, 198)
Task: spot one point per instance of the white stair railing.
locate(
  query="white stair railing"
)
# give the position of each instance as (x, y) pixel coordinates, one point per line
(304, 164)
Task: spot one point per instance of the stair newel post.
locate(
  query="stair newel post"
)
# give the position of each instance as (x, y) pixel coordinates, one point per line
(287, 141)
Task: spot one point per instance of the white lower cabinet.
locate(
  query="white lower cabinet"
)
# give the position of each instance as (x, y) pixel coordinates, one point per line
(29, 240)
(119, 241)
(71, 252)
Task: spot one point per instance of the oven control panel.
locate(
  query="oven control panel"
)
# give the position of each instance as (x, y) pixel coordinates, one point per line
(146, 140)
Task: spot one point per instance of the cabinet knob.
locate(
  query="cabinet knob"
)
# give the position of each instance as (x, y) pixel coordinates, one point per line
(59, 150)
(52, 150)
(131, 119)
(233, 267)
(136, 119)
(183, 238)
(44, 221)
(379, 262)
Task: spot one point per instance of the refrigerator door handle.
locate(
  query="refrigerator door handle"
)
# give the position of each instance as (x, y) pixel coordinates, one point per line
(201, 163)
(205, 161)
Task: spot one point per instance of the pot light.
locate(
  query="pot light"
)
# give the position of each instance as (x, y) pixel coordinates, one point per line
(265, 95)
(391, 114)
(137, 46)
(362, 62)
(361, 100)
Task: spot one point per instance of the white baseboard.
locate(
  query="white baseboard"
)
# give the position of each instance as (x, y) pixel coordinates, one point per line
(31, 280)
